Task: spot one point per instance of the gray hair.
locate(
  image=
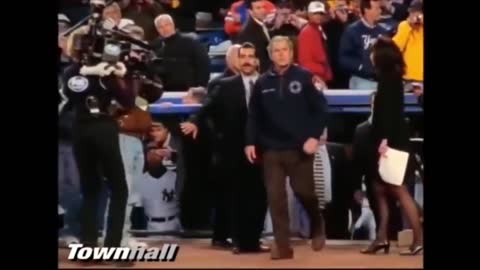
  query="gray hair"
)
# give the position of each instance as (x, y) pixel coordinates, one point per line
(233, 49)
(277, 39)
(162, 17)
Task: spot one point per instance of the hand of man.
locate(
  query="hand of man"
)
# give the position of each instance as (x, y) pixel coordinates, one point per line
(341, 15)
(382, 149)
(153, 158)
(310, 146)
(250, 153)
(163, 152)
(189, 128)
(319, 83)
(101, 69)
(120, 69)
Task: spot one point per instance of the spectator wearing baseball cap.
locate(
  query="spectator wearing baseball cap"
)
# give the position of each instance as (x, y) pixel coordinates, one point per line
(312, 46)
(409, 39)
(356, 44)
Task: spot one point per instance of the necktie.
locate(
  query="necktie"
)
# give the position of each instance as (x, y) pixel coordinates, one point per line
(249, 91)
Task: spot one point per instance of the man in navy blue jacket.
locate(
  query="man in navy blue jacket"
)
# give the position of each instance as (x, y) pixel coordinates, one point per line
(356, 44)
(287, 116)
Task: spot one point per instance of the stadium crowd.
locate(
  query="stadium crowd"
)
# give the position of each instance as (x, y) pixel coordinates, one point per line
(174, 179)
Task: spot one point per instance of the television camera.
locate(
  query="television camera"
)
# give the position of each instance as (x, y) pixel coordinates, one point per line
(104, 42)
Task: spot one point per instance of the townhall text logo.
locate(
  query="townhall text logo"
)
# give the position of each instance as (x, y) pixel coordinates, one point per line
(168, 253)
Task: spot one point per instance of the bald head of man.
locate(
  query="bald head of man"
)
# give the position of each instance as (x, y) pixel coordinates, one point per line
(165, 25)
(231, 58)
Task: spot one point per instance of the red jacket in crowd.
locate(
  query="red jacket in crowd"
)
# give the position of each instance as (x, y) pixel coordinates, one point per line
(312, 51)
(238, 14)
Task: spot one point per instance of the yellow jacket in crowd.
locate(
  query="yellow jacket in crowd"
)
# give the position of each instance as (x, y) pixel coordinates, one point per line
(410, 42)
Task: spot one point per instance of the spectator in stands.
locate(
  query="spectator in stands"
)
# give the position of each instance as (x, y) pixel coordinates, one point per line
(284, 22)
(312, 47)
(183, 13)
(238, 15)
(112, 14)
(143, 13)
(390, 15)
(397, 8)
(185, 59)
(389, 129)
(256, 32)
(217, 9)
(356, 44)
(409, 39)
(341, 16)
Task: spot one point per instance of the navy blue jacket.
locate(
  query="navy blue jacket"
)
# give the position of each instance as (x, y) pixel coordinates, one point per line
(285, 110)
(355, 48)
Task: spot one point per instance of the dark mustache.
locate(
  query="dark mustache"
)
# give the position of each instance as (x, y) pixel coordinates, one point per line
(247, 65)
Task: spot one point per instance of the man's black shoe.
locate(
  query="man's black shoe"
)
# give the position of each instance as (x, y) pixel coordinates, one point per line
(258, 249)
(222, 244)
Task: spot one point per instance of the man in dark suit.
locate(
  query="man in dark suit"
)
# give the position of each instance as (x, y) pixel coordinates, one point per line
(256, 32)
(240, 193)
(231, 57)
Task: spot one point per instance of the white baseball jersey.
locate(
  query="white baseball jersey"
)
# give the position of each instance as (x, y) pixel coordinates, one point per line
(158, 195)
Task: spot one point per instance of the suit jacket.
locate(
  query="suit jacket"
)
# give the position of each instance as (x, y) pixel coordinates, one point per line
(253, 32)
(226, 73)
(226, 106)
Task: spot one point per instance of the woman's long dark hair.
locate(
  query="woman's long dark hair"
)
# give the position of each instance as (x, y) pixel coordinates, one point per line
(387, 58)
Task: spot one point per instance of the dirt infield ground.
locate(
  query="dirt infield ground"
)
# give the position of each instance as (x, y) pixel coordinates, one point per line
(199, 254)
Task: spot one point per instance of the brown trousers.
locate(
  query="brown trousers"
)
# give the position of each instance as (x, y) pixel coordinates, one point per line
(299, 167)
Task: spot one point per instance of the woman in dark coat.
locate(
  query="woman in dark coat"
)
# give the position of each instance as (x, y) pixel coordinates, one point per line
(390, 130)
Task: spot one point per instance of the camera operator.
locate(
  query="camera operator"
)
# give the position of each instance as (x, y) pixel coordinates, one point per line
(409, 39)
(186, 60)
(134, 125)
(90, 89)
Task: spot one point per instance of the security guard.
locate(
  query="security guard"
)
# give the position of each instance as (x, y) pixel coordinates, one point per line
(287, 116)
(90, 90)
